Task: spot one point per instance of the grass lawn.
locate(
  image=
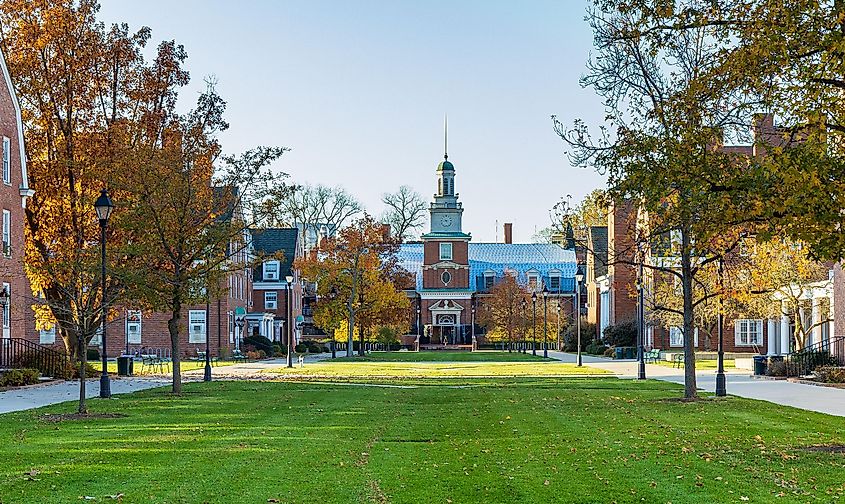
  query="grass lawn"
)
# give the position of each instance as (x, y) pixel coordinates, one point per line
(438, 356)
(703, 365)
(137, 370)
(520, 440)
(410, 365)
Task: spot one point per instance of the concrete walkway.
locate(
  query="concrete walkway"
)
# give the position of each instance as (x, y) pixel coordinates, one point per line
(54, 393)
(739, 383)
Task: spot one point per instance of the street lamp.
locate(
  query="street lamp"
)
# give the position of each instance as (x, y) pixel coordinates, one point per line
(288, 283)
(579, 277)
(207, 373)
(534, 336)
(545, 324)
(472, 327)
(721, 382)
(522, 343)
(104, 208)
(557, 307)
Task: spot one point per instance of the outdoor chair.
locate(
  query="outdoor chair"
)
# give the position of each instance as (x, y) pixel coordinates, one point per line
(677, 360)
(238, 356)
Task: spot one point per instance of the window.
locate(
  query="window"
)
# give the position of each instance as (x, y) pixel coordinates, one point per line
(445, 251)
(133, 327)
(533, 280)
(7, 233)
(489, 280)
(271, 270)
(196, 326)
(270, 300)
(230, 320)
(47, 336)
(7, 163)
(676, 336)
(7, 317)
(97, 339)
(446, 277)
(554, 282)
(748, 332)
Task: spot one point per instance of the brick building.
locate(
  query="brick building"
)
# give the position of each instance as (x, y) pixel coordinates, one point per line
(18, 320)
(453, 274)
(273, 281)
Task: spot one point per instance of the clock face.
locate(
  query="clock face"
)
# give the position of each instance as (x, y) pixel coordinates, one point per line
(446, 220)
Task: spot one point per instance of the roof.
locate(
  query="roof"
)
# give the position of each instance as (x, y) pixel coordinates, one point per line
(445, 165)
(597, 244)
(541, 258)
(271, 241)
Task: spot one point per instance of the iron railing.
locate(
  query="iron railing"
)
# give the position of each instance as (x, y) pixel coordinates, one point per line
(17, 353)
(829, 352)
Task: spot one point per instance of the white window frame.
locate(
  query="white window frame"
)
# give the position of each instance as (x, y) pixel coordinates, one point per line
(273, 276)
(676, 336)
(7, 233)
(47, 336)
(197, 321)
(446, 251)
(743, 333)
(533, 280)
(7, 161)
(555, 275)
(134, 326)
(97, 339)
(271, 304)
(489, 280)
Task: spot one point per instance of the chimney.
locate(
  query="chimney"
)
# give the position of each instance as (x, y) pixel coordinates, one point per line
(508, 232)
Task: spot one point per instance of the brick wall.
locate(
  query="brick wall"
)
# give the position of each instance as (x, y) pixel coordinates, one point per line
(621, 229)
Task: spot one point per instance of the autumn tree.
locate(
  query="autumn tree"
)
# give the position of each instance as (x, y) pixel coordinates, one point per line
(191, 209)
(406, 211)
(86, 93)
(502, 311)
(358, 277)
(577, 218)
(660, 148)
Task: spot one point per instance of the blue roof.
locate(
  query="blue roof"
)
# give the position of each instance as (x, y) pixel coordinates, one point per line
(542, 258)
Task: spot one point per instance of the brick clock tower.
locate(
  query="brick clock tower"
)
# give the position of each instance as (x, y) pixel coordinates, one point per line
(446, 295)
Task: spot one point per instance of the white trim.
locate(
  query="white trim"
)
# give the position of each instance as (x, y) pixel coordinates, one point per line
(758, 328)
(278, 272)
(198, 335)
(275, 300)
(675, 331)
(464, 294)
(7, 161)
(6, 240)
(269, 285)
(25, 191)
(131, 335)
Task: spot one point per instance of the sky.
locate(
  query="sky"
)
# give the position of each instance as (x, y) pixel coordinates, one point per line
(359, 90)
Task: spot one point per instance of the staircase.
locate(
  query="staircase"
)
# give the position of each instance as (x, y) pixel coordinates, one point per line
(830, 352)
(17, 353)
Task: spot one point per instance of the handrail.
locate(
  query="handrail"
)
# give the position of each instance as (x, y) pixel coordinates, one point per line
(828, 352)
(17, 353)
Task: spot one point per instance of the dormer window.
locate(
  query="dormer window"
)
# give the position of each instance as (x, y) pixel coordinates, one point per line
(489, 280)
(445, 251)
(554, 280)
(271, 271)
(533, 280)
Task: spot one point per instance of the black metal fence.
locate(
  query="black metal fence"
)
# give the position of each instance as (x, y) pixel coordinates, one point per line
(17, 353)
(830, 352)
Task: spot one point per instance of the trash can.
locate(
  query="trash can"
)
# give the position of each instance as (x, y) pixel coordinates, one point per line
(620, 353)
(124, 365)
(759, 365)
(630, 353)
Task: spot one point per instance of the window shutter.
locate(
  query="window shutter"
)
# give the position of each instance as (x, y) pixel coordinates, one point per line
(759, 336)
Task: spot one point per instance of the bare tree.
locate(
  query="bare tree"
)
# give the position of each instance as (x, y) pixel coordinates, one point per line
(310, 208)
(405, 212)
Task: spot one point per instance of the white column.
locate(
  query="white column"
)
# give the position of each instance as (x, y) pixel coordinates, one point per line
(784, 328)
(830, 316)
(771, 337)
(817, 317)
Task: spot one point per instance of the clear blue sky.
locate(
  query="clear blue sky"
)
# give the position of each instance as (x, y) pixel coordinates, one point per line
(359, 89)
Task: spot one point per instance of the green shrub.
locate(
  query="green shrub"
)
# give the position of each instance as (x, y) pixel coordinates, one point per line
(830, 374)
(301, 348)
(623, 334)
(596, 348)
(258, 343)
(277, 349)
(19, 377)
(93, 354)
(570, 340)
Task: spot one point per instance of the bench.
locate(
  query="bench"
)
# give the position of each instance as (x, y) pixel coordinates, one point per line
(153, 361)
(678, 360)
(652, 355)
(238, 356)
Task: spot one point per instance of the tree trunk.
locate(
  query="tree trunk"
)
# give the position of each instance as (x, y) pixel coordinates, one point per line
(350, 332)
(83, 362)
(690, 389)
(361, 339)
(173, 328)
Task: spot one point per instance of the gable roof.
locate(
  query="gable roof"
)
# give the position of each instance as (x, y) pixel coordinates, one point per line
(271, 241)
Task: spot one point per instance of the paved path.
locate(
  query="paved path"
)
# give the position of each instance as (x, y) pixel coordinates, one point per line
(739, 383)
(53, 393)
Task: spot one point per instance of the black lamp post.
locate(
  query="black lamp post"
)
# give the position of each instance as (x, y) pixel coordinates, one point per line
(721, 382)
(5, 299)
(545, 323)
(640, 323)
(534, 335)
(557, 307)
(207, 374)
(579, 277)
(104, 208)
(524, 318)
(472, 322)
(289, 281)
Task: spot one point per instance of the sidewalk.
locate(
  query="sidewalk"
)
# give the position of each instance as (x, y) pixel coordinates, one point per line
(54, 393)
(739, 383)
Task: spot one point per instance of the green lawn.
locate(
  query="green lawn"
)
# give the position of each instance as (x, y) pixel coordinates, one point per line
(520, 440)
(438, 356)
(186, 365)
(702, 365)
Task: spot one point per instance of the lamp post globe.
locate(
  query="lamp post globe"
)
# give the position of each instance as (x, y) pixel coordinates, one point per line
(104, 208)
